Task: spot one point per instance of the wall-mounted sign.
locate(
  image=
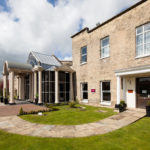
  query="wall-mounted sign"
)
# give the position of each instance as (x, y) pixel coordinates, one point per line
(93, 90)
(130, 91)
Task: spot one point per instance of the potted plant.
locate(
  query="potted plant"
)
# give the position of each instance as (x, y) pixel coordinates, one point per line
(36, 99)
(6, 99)
(122, 106)
(148, 109)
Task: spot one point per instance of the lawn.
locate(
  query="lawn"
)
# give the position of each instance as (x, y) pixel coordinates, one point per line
(133, 137)
(71, 116)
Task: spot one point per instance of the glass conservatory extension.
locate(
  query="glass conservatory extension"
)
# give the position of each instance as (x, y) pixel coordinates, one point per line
(44, 78)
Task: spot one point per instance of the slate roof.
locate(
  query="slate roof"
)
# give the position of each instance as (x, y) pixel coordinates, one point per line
(16, 65)
(46, 59)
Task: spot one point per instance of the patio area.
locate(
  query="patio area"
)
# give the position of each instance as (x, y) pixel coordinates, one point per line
(11, 110)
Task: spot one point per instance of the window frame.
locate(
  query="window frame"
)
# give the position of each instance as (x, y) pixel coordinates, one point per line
(83, 91)
(143, 42)
(103, 102)
(102, 47)
(81, 55)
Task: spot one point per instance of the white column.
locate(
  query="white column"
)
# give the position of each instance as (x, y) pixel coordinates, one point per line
(35, 84)
(32, 87)
(56, 87)
(124, 89)
(40, 87)
(71, 87)
(4, 86)
(11, 84)
(118, 89)
(20, 87)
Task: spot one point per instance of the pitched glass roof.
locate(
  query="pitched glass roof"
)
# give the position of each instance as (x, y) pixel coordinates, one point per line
(46, 59)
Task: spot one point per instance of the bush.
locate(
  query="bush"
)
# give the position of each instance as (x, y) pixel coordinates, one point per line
(77, 101)
(51, 107)
(21, 111)
(72, 104)
(123, 104)
(148, 103)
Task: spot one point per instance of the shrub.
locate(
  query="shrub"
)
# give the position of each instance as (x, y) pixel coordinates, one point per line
(72, 104)
(64, 103)
(51, 107)
(148, 103)
(21, 112)
(37, 96)
(77, 101)
(123, 104)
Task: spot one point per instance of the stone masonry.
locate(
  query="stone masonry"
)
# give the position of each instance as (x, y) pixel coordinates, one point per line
(122, 35)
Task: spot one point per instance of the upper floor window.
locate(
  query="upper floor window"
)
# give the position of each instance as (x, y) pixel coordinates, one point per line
(143, 40)
(83, 54)
(105, 47)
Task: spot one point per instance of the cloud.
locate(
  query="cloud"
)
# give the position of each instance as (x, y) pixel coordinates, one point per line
(66, 58)
(38, 25)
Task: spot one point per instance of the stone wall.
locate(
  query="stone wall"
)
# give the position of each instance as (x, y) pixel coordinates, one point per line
(122, 35)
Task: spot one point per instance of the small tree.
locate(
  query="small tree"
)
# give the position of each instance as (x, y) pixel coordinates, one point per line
(21, 111)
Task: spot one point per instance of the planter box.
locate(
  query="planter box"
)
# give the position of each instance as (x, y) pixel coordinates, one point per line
(5, 100)
(148, 111)
(1, 99)
(36, 101)
(116, 105)
(121, 109)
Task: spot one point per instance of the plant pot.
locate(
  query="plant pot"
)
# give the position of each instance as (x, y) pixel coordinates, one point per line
(5, 100)
(148, 111)
(116, 105)
(1, 99)
(36, 101)
(121, 109)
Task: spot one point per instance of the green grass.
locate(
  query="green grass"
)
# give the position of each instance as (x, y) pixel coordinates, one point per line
(132, 137)
(71, 116)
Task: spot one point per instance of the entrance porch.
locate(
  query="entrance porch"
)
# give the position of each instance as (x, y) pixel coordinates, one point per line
(24, 81)
(133, 86)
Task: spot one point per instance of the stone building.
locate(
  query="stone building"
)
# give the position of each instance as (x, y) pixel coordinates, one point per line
(112, 60)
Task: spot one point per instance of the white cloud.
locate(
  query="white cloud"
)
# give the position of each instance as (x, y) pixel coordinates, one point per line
(44, 28)
(69, 58)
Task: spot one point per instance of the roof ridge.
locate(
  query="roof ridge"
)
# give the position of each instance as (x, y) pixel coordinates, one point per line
(42, 53)
(110, 19)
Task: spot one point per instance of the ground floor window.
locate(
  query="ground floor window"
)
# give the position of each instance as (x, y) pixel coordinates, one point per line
(84, 91)
(105, 91)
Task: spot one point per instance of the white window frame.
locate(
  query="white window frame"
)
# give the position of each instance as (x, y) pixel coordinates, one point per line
(84, 100)
(143, 43)
(103, 102)
(83, 55)
(103, 47)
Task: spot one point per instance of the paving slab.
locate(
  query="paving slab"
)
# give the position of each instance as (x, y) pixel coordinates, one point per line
(14, 124)
(9, 110)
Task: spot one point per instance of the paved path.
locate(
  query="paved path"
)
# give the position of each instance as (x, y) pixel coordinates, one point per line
(14, 124)
(10, 110)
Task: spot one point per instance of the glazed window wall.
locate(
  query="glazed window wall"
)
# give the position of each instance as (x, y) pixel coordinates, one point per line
(64, 86)
(48, 86)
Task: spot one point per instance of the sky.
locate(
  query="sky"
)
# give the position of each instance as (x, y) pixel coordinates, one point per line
(46, 25)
